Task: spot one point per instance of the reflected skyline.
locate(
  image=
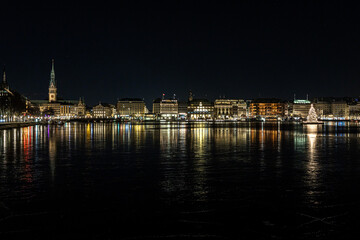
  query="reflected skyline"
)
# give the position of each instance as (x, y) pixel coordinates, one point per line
(209, 169)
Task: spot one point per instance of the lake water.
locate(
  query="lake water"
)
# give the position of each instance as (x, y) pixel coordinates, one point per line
(180, 181)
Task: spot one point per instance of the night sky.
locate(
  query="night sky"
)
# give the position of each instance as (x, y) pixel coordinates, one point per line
(142, 49)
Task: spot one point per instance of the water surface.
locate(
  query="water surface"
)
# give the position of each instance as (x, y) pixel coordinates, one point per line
(182, 181)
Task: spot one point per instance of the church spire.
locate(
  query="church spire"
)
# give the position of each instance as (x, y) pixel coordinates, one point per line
(52, 75)
(52, 86)
(4, 83)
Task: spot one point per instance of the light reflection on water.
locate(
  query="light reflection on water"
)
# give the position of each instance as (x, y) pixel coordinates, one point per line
(191, 166)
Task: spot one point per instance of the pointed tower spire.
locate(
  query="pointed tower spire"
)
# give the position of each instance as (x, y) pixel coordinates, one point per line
(4, 83)
(52, 75)
(52, 85)
(190, 96)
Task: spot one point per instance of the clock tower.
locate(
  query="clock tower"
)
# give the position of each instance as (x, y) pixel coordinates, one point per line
(52, 85)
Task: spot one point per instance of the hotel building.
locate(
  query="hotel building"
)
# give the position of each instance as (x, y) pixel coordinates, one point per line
(300, 108)
(229, 108)
(200, 109)
(131, 107)
(103, 110)
(267, 107)
(166, 108)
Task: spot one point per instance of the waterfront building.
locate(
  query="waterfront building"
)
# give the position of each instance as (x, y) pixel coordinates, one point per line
(156, 106)
(300, 108)
(166, 108)
(54, 106)
(103, 110)
(4, 86)
(72, 109)
(5, 95)
(200, 109)
(11, 102)
(354, 111)
(229, 108)
(149, 117)
(340, 109)
(80, 108)
(323, 108)
(267, 107)
(183, 110)
(131, 107)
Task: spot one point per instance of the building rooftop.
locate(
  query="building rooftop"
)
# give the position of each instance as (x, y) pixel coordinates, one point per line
(131, 99)
(301, 101)
(267, 100)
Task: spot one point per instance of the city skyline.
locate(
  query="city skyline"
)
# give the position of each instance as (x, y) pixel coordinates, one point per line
(149, 102)
(247, 50)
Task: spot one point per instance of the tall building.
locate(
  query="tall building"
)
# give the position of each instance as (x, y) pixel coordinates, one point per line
(52, 85)
(54, 106)
(11, 102)
(4, 83)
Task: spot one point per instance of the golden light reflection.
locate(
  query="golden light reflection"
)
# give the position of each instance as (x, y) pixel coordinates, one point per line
(52, 155)
(27, 152)
(312, 166)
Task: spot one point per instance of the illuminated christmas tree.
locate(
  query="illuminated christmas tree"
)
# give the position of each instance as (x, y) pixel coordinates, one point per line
(312, 117)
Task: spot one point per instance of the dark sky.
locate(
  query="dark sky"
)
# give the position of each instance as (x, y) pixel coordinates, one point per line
(145, 48)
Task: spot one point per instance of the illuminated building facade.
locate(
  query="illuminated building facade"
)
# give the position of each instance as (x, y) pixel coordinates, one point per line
(131, 107)
(52, 85)
(200, 109)
(166, 108)
(340, 109)
(354, 111)
(183, 110)
(58, 107)
(73, 109)
(335, 107)
(323, 108)
(103, 110)
(229, 108)
(267, 108)
(300, 108)
(12, 103)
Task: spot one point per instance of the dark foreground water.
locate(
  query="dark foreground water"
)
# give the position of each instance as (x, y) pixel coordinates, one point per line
(180, 181)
